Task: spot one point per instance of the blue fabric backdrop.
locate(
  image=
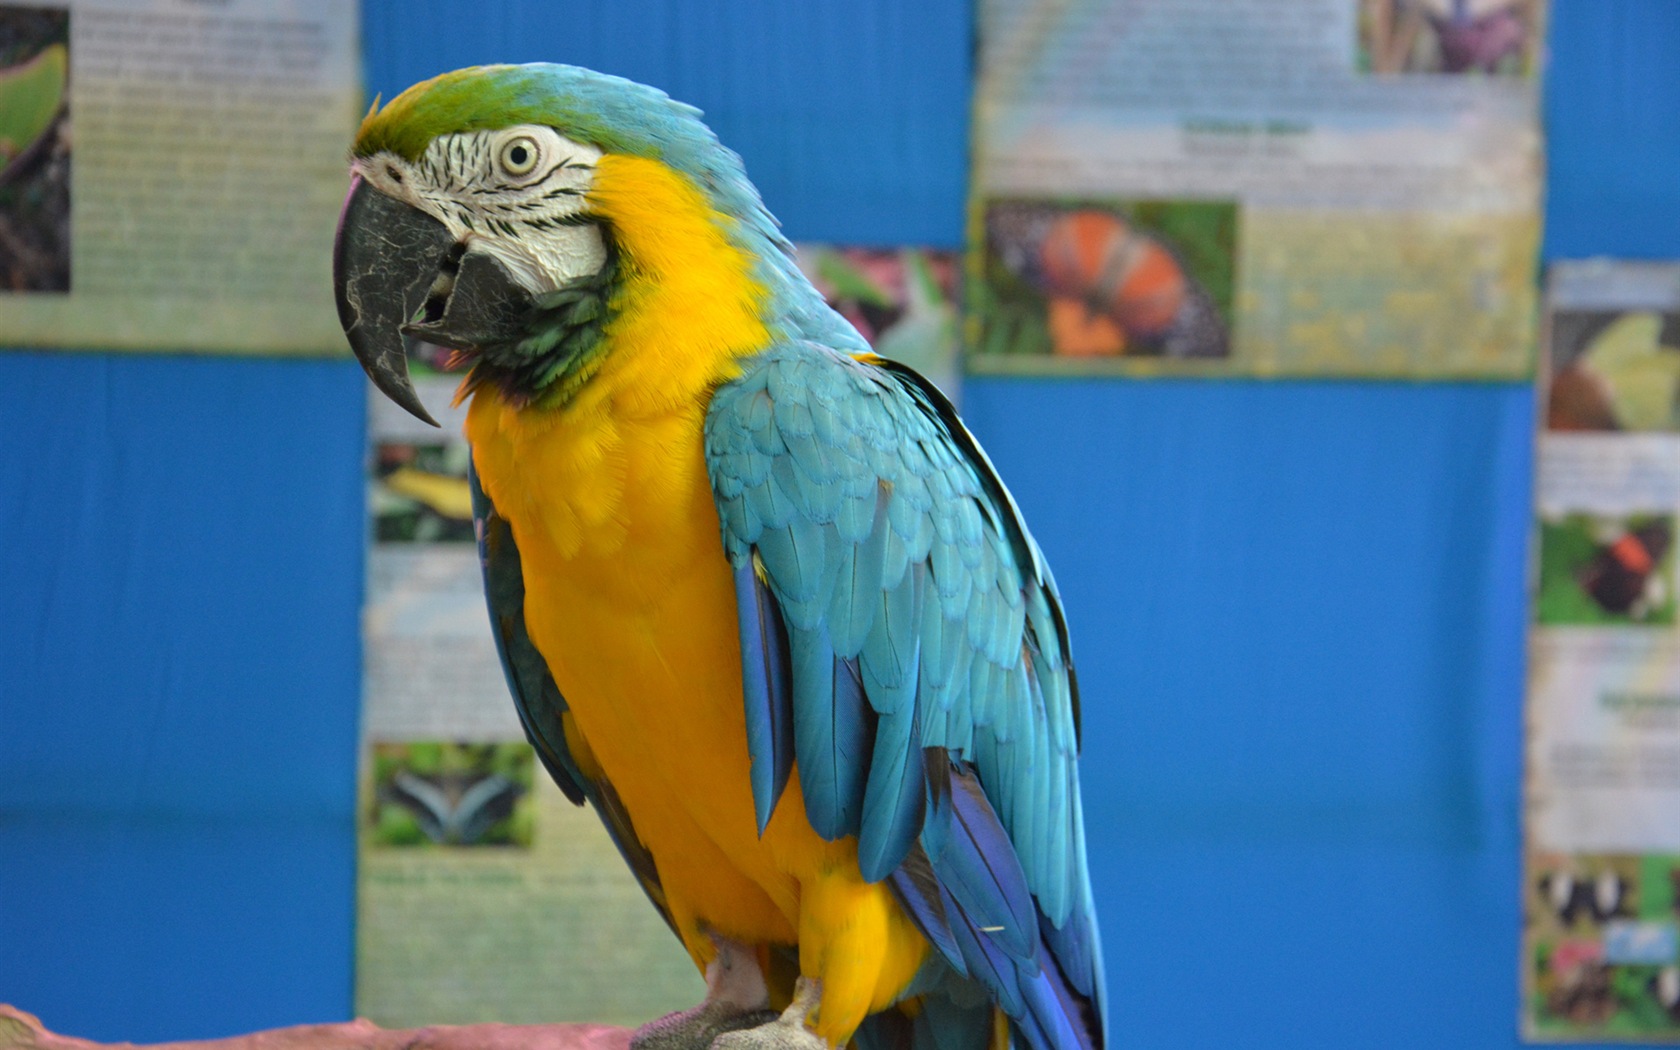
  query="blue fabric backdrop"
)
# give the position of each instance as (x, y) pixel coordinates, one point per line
(1298, 607)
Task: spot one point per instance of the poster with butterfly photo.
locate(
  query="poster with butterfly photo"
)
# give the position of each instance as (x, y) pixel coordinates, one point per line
(1601, 874)
(1247, 188)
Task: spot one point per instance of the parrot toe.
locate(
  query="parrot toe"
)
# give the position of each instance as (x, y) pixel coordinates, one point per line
(787, 1032)
(735, 998)
(698, 1028)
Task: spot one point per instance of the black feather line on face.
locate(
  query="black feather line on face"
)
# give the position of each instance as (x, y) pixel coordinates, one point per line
(565, 165)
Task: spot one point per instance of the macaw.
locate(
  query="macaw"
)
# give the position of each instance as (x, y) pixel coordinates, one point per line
(760, 597)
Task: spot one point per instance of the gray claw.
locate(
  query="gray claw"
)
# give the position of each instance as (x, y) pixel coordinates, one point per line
(696, 1029)
(735, 998)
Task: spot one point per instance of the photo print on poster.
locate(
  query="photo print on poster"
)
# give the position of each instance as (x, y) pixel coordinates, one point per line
(1601, 941)
(1603, 945)
(1614, 370)
(420, 492)
(34, 149)
(1487, 37)
(1176, 189)
(1606, 569)
(436, 793)
(195, 209)
(1106, 279)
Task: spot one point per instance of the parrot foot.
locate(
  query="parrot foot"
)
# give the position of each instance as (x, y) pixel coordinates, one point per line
(787, 1032)
(735, 998)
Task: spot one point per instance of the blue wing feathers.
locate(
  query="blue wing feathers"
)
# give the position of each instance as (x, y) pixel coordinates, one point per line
(1039, 999)
(851, 606)
(936, 824)
(766, 684)
(892, 649)
(1056, 896)
(794, 419)
(895, 796)
(979, 868)
(827, 425)
(799, 565)
(959, 732)
(766, 506)
(944, 1024)
(856, 601)
(921, 624)
(905, 516)
(1052, 1006)
(911, 546)
(939, 637)
(833, 737)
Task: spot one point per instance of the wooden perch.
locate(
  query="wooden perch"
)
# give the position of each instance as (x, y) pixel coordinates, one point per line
(21, 1031)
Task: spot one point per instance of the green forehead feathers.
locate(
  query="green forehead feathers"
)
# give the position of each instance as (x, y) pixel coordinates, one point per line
(610, 113)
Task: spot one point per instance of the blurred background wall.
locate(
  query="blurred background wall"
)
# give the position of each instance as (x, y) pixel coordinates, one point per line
(1298, 607)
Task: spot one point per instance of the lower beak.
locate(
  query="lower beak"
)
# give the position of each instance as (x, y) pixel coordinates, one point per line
(386, 258)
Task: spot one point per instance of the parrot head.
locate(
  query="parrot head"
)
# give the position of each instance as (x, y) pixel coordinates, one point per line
(499, 211)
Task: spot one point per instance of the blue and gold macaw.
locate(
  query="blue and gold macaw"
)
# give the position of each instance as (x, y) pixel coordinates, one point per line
(724, 543)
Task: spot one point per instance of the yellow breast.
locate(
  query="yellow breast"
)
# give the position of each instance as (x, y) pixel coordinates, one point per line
(628, 593)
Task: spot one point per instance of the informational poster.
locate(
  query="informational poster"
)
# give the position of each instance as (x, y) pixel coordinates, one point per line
(170, 172)
(1601, 892)
(1256, 187)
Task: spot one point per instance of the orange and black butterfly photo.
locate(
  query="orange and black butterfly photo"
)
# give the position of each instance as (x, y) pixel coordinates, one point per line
(1598, 569)
(1094, 280)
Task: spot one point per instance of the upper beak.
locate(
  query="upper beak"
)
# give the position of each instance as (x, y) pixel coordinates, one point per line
(386, 257)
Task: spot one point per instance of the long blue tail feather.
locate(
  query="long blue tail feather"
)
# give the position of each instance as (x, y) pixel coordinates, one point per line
(977, 864)
(918, 891)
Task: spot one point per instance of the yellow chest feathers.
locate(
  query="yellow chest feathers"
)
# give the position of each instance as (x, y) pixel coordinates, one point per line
(621, 465)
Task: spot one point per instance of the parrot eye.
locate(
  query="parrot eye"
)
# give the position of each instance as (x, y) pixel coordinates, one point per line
(518, 155)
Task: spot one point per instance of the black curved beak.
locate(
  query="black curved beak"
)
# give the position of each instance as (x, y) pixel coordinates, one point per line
(386, 258)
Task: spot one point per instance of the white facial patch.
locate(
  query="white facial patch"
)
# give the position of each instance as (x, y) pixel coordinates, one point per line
(517, 193)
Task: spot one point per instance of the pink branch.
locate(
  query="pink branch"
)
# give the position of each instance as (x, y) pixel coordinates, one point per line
(21, 1031)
